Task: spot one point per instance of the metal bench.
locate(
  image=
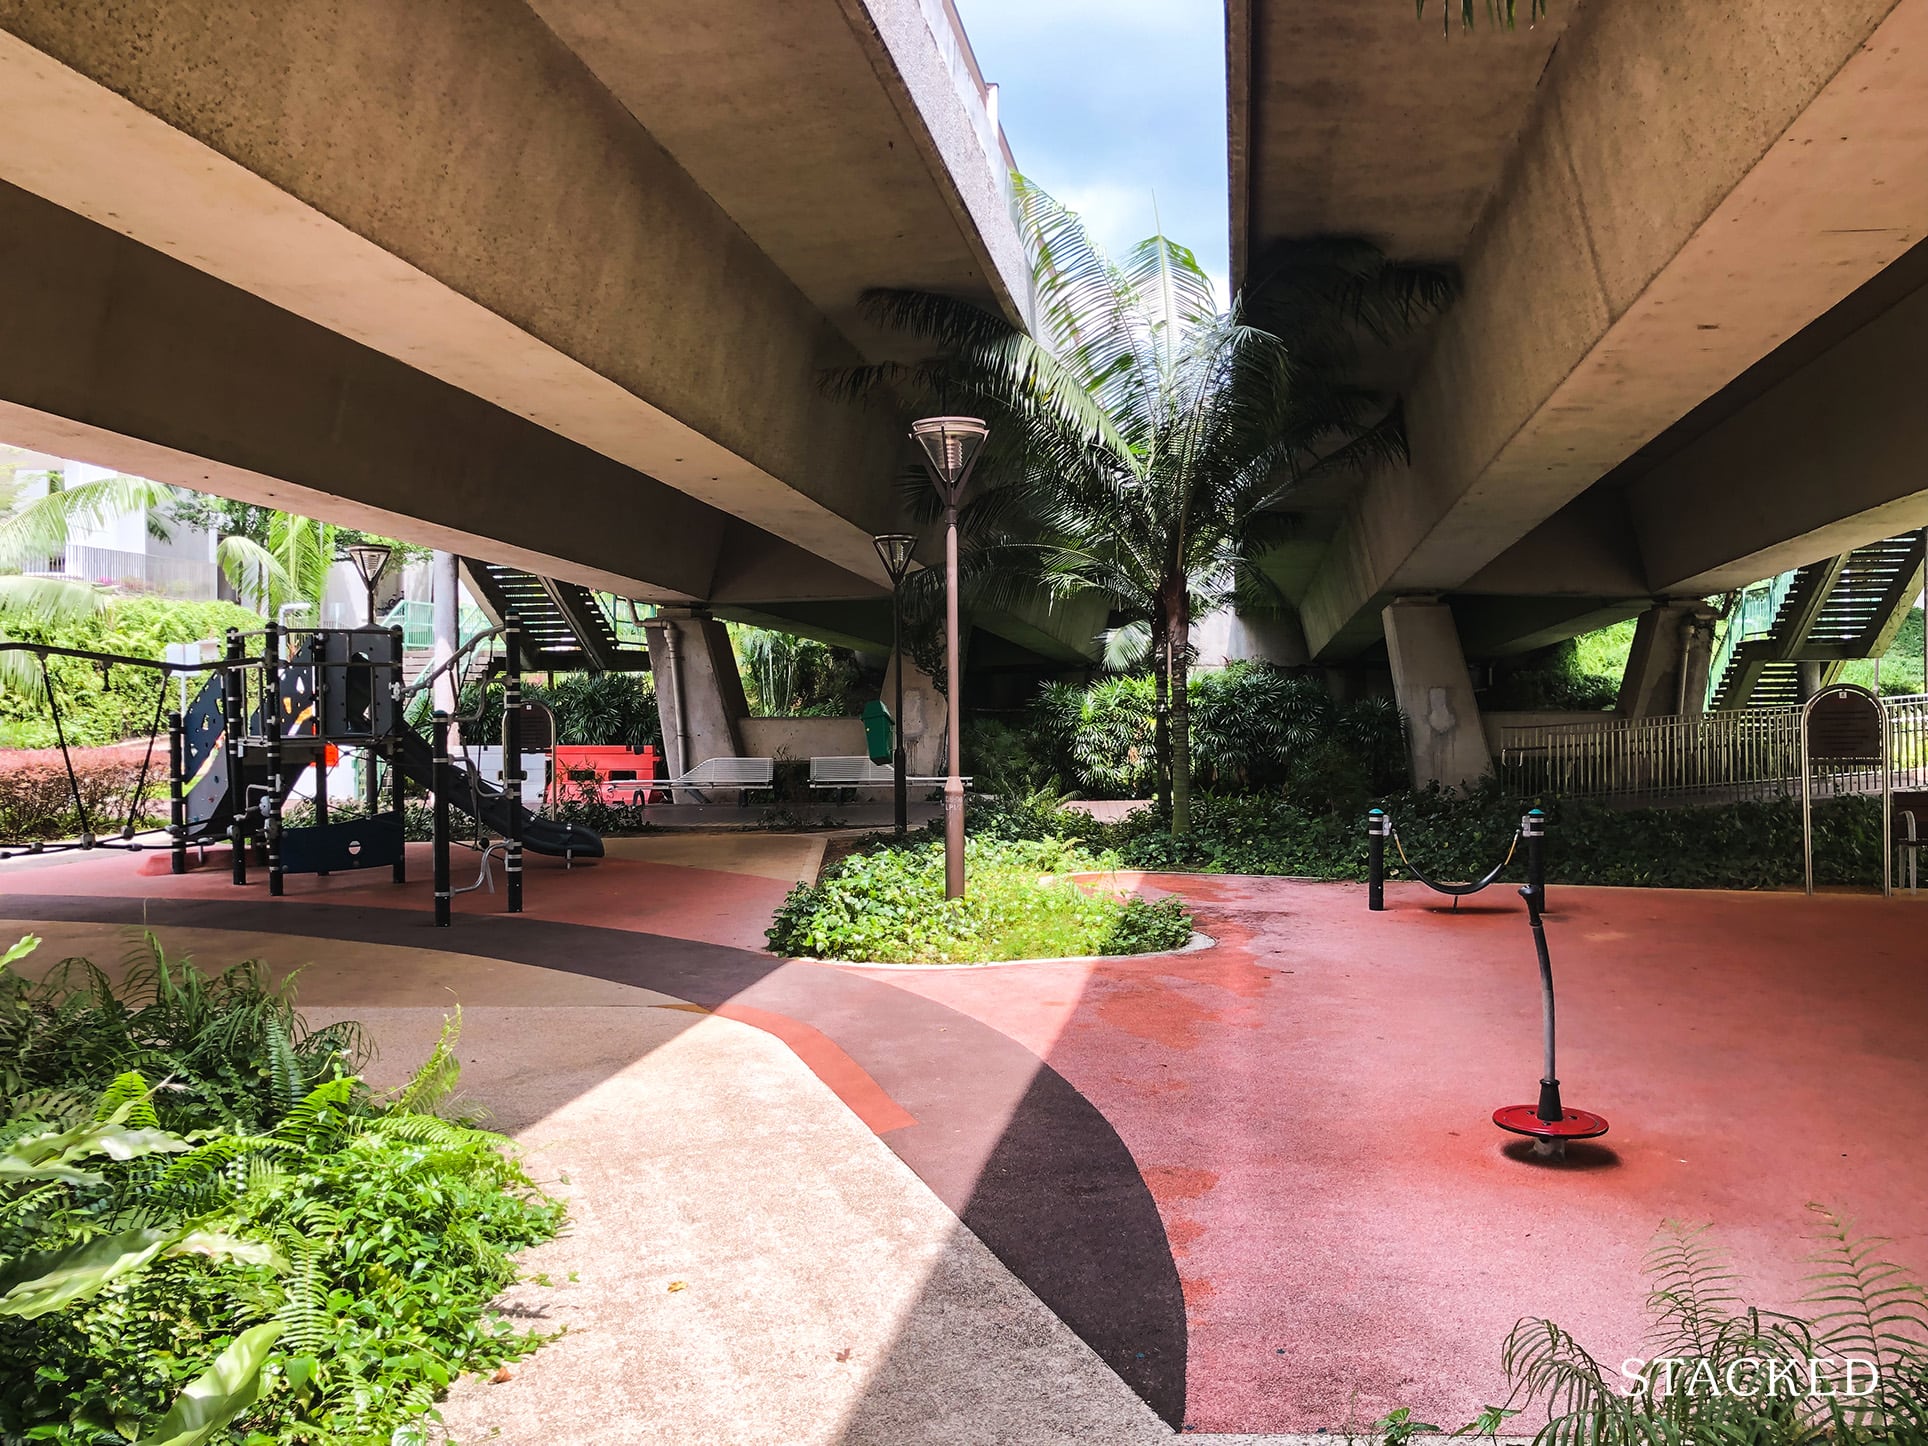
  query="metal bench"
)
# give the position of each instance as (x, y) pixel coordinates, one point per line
(857, 771)
(742, 774)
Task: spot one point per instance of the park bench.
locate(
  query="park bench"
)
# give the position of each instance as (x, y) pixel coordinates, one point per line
(857, 771)
(742, 774)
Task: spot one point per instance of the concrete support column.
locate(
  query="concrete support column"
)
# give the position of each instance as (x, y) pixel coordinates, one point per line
(445, 614)
(924, 721)
(1435, 692)
(1673, 647)
(699, 692)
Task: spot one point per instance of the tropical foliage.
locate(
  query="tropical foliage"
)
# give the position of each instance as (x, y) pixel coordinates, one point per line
(1723, 1371)
(1458, 836)
(888, 906)
(1141, 444)
(787, 676)
(208, 1221)
(96, 706)
(1252, 726)
(608, 709)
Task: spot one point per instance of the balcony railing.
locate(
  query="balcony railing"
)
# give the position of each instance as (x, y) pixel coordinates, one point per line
(1749, 753)
(978, 95)
(182, 577)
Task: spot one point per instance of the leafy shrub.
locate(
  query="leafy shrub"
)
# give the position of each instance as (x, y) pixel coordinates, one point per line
(592, 709)
(1253, 725)
(324, 1256)
(1101, 737)
(1558, 679)
(1148, 926)
(1460, 836)
(888, 906)
(37, 799)
(94, 710)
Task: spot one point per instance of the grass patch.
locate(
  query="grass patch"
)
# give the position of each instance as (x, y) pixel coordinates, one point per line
(888, 906)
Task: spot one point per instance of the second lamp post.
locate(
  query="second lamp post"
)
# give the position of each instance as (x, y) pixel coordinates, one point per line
(894, 550)
(951, 446)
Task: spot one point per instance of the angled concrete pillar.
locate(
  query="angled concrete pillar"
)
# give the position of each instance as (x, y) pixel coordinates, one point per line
(925, 718)
(1673, 647)
(1435, 693)
(699, 693)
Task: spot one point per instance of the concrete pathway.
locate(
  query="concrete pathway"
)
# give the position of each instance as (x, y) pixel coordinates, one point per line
(1253, 1189)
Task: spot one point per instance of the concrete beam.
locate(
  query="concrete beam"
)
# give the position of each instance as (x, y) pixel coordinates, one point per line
(450, 186)
(1696, 184)
(1825, 461)
(116, 354)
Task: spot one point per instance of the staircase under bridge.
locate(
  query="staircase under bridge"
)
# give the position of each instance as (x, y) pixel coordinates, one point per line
(1815, 619)
(566, 628)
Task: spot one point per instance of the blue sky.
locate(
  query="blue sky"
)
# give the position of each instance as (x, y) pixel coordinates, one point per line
(1108, 102)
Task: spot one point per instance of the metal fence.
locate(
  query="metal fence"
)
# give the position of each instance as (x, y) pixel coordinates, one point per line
(182, 577)
(1748, 753)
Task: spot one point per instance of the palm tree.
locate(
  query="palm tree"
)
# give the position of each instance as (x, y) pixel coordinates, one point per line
(1141, 443)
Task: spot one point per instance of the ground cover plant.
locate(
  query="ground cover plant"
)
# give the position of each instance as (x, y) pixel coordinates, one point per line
(887, 905)
(212, 1229)
(1455, 835)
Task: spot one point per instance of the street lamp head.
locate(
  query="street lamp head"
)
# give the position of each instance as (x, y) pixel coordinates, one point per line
(951, 447)
(894, 550)
(370, 560)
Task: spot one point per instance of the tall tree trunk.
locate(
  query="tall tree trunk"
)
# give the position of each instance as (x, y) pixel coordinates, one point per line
(1161, 735)
(1178, 647)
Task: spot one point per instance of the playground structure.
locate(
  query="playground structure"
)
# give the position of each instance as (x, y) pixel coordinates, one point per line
(1548, 1122)
(261, 721)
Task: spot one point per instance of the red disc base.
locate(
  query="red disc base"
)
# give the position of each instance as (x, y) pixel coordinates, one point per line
(1572, 1124)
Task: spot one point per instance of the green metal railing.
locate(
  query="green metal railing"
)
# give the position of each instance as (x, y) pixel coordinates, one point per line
(1753, 617)
(416, 618)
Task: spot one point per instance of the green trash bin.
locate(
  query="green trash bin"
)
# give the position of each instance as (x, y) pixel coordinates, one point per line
(880, 731)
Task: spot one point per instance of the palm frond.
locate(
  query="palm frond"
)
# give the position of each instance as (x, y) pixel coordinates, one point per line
(35, 530)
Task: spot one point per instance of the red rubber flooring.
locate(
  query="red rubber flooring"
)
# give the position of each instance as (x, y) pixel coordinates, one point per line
(1307, 1105)
(1310, 1106)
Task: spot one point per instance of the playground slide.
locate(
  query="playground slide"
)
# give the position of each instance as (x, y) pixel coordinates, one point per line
(416, 757)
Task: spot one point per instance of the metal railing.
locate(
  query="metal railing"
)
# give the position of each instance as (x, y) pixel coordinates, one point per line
(1751, 618)
(978, 95)
(1748, 753)
(416, 618)
(182, 577)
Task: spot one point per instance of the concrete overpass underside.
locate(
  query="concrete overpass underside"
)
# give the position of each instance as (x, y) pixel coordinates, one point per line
(551, 283)
(1693, 303)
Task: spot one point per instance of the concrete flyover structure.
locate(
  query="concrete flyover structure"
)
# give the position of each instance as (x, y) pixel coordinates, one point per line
(550, 283)
(1694, 309)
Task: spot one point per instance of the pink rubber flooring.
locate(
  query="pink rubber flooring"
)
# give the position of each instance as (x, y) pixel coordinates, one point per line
(1310, 1105)
(1309, 1102)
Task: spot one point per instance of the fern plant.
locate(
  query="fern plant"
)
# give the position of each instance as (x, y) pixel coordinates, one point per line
(254, 1239)
(1725, 1373)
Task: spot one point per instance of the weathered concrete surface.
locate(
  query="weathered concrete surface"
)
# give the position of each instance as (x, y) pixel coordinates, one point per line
(1689, 187)
(1435, 693)
(1673, 646)
(700, 691)
(454, 188)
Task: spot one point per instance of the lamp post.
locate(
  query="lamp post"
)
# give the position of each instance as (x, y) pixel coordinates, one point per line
(370, 560)
(951, 447)
(894, 550)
